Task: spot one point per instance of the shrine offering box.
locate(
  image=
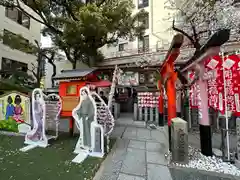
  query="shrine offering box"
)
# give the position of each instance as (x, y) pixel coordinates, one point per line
(69, 92)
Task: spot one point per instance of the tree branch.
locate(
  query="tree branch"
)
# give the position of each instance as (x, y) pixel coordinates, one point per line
(68, 9)
(195, 35)
(101, 2)
(28, 14)
(183, 32)
(33, 72)
(44, 22)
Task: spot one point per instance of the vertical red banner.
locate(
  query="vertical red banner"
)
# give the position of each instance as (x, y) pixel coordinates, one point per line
(230, 76)
(194, 92)
(215, 84)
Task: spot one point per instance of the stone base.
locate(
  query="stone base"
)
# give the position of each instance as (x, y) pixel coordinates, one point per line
(217, 152)
(237, 163)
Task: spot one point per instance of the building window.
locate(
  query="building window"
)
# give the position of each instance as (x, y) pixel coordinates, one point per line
(122, 47)
(71, 90)
(142, 3)
(10, 66)
(18, 16)
(144, 21)
(143, 44)
(8, 39)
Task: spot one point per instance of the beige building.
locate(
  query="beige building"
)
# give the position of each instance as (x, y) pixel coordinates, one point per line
(158, 36)
(14, 21)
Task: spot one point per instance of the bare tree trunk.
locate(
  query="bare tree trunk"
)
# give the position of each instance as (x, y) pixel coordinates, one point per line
(54, 71)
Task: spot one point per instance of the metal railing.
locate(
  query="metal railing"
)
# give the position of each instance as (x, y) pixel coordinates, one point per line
(135, 51)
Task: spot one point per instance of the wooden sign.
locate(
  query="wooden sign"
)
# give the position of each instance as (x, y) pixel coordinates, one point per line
(52, 110)
(69, 102)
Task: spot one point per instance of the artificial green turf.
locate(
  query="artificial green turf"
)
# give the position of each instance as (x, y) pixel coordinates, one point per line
(51, 163)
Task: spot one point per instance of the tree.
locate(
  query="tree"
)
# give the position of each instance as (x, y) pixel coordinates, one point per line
(81, 28)
(43, 55)
(199, 19)
(18, 81)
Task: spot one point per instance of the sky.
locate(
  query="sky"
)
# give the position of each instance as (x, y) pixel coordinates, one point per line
(46, 41)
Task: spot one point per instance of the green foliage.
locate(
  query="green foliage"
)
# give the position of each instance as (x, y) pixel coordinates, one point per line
(18, 81)
(9, 125)
(80, 29)
(17, 41)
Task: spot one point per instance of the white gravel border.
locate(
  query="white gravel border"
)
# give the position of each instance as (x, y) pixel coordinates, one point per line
(212, 164)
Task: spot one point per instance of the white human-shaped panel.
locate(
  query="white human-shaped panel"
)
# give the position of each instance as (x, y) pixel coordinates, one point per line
(40, 112)
(84, 114)
(37, 135)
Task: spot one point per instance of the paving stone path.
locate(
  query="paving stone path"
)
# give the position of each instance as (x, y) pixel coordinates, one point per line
(138, 155)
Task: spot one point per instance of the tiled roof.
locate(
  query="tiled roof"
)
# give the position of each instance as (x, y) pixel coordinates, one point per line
(76, 73)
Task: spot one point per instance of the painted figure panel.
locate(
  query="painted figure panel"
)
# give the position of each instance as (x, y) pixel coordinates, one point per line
(15, 112)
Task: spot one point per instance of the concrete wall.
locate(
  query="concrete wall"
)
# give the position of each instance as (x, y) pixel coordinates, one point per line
(33, 33)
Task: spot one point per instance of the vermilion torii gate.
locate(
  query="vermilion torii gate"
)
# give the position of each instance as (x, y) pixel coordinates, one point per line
(169, 77)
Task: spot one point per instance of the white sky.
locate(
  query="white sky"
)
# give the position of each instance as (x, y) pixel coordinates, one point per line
(46, 41)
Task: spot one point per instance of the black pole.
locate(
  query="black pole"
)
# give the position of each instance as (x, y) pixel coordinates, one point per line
(206, 140)
(160, 119)
(170, 138)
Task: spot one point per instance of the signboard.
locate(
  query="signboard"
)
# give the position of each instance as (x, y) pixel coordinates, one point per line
(69, 102)
(129, 79)
(52, 107)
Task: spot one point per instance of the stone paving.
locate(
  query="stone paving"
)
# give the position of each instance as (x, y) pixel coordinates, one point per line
(138, 155)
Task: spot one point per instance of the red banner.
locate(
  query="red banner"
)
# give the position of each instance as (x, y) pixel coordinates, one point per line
(216, 87)
(232, 83)
(194, 92)
(230, 75)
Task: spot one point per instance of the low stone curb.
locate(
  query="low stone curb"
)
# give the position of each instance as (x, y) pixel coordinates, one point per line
(104, 163)
(11, 133)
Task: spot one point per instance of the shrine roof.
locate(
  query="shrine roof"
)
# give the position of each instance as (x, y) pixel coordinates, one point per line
(75, 73)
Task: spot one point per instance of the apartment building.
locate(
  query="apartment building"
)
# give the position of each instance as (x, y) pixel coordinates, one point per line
(158, 35)
(14, 22)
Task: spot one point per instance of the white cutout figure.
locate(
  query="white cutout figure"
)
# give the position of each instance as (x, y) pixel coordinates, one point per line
(84, 114)
(37, 136)
(92, 131)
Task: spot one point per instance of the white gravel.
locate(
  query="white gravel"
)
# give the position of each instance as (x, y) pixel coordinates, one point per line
(201, 162)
